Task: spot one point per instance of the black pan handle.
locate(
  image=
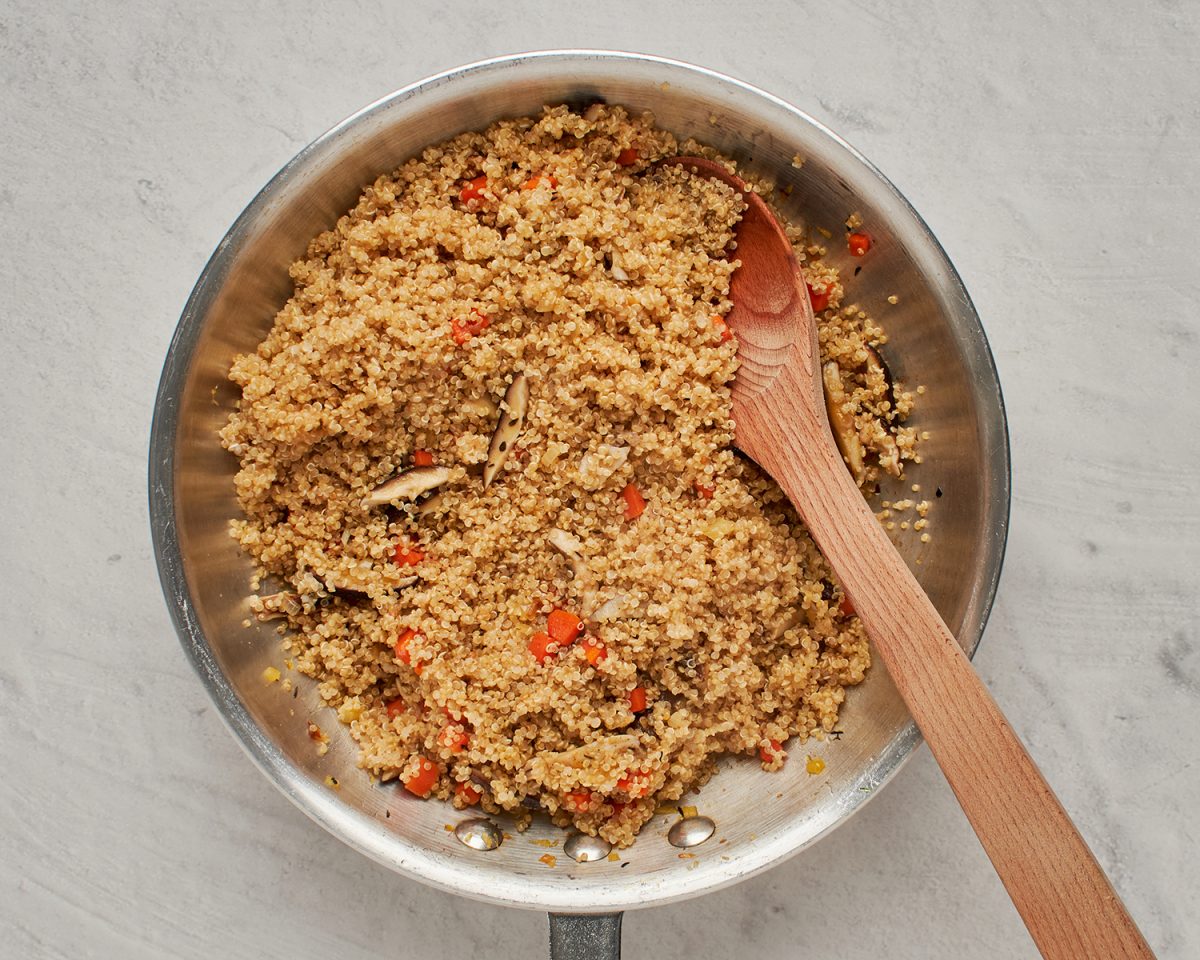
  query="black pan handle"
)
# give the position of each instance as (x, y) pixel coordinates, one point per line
(580, 936)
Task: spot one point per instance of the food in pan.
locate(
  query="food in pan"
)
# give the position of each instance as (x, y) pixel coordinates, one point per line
(486, 460)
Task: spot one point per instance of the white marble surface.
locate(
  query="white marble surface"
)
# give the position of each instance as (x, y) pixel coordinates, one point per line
(1052, 147)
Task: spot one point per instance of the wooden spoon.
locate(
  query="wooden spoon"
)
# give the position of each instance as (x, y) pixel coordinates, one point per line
(1062, 894)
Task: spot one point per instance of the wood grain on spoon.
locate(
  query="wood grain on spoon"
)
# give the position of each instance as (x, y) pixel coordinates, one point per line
(1061, 892)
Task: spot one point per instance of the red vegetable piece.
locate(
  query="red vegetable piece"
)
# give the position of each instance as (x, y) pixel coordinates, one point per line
(818, 298)
(723, 330)
(563, 626)
(423, 780)
(534, 182)
(768, 754)
(635, 503)
(594, 650)
(454, 737)
(407, 556)
(464, 330)
(580, 801)
(467, 793)
(539, 646)
(401, 645)
(636, 783)
(859, 244)
(473, 190)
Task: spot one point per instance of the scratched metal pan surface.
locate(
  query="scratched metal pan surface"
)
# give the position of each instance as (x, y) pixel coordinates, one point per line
(936, 340)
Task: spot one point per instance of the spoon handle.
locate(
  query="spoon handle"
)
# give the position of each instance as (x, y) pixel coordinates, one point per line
(1061, 892)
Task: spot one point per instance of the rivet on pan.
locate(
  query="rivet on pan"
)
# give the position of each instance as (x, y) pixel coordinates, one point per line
(479, 834)
(584, 849)
(691, 832)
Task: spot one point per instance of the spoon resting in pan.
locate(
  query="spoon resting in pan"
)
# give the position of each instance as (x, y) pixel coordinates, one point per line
(1062, 894)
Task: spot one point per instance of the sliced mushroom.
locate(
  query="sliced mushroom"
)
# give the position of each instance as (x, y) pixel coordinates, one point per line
(844, 431)
(560, 771)
(480, 780)
(508, 426)
(408, 485)
(568, 545)
(277, 606)
(596, 467)
(611, 609)
(307, 584)
(878, 366)
(789, 618)
(352, 584)
(479, 407)
(344, 587)
(594, 606)
(616, 270)
(431, 505)
(585, 754)
(889, 458)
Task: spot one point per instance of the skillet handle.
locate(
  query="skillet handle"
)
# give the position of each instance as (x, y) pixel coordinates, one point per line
(579, 936)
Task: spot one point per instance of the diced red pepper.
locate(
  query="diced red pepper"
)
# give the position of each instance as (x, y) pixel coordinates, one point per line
(464, 330)
(407, 556)
(818, 298)
(722, 329)
(422, 458)
(423, 780)
(563, 626)
(618, 807)
(635, 503)
(704, 491)
(539, 646)
(859, 244)
(401, 645)
(769, 753)
(636, 783)
(594, 650)
(846, 607)
(454, 737)
(580, 801)
(394, 708)
(473, 190)
(467, 793)
(628, 157)
(534, 182)
(637, 699)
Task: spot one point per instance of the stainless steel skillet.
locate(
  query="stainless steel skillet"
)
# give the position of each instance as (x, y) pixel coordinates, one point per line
(936, 340)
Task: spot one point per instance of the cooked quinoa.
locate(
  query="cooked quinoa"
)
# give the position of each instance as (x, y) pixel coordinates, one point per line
(490, 643)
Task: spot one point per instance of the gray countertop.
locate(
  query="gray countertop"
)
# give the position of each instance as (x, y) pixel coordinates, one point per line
(1054, 151)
